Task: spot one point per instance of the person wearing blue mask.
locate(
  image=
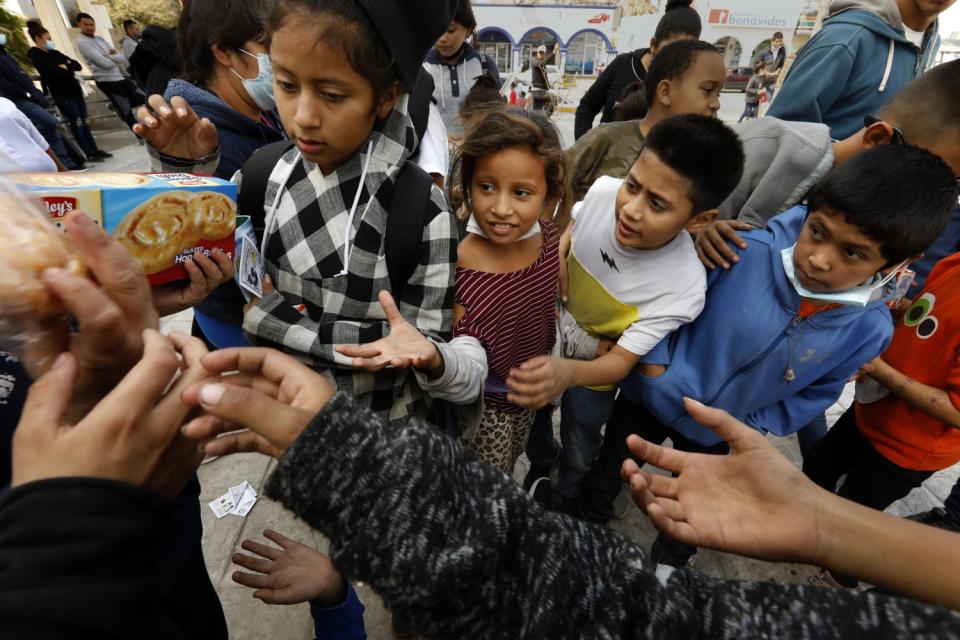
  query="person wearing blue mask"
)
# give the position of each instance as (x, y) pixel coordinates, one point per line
(782, 333)
(58, 75)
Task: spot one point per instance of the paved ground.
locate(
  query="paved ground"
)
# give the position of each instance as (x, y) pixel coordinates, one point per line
(250, 619)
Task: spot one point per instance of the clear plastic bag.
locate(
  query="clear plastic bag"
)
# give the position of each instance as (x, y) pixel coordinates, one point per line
(32, 320)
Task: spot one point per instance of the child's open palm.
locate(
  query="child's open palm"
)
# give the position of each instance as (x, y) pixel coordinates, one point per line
(404, 347)
(292, 574)
(174, 129)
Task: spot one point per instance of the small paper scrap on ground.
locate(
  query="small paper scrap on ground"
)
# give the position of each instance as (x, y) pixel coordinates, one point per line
(237, 501)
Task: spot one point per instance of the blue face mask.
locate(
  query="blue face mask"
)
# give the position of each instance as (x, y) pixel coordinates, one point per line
(50, 46)
(260, 89)
(861, 296)
(3, 39)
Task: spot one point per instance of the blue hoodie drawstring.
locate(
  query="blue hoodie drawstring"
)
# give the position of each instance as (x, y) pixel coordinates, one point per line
(886, 72)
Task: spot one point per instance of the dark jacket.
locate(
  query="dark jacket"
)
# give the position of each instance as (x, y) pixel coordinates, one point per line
(15, 86)
(58, 81)
(604, 93)
(156, 60)
(78, 559)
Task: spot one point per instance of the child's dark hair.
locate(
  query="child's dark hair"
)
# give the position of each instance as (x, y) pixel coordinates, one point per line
(513, 127)
(928, 109)
(632, 104)
(464, 15)
(672, 62)
(128, 23)
(83, 16)
(227, 23)
(350, 29)
(703, 150)
(678, 19)
(484, 94)
(899, 195)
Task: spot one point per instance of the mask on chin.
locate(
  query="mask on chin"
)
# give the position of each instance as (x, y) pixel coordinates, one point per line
(260, 89)
(876, 288)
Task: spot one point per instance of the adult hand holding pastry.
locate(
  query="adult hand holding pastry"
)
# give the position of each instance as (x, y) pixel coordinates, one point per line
(44, 275)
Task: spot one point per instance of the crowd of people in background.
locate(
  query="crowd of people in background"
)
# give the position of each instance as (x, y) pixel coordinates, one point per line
(443, 278)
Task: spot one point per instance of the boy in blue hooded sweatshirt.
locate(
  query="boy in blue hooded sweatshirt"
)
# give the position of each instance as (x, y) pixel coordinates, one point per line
(866, 52)
(782, 333)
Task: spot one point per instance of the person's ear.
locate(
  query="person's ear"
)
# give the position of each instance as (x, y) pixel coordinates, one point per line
(221, 55)
(663, 93)
(701, 221)
(388, 100)
(876, 134)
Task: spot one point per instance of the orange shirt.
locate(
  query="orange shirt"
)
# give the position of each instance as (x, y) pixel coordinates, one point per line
(925, 347)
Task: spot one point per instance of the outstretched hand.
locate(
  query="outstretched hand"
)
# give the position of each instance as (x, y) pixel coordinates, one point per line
(132, 435)
(174, 129)
(753, 501)
(263, 408)
(292, 574)
(404, 347)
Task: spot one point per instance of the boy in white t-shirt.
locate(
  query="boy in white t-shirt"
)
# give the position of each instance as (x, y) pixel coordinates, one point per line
(633, 277)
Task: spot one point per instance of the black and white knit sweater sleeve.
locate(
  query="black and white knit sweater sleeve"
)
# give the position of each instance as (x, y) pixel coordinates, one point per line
(461, 550)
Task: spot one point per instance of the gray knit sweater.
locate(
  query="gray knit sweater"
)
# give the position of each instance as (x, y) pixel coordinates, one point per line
(460, 549)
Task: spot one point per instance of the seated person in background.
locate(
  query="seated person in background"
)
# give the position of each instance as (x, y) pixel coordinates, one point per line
(634, 277)
(685, 77)
(782, 333)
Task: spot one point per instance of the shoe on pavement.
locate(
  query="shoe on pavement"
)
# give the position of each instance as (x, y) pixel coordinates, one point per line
(536, 472)
(100, 154)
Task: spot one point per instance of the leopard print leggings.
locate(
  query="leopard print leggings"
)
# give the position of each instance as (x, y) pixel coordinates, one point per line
(501, 438)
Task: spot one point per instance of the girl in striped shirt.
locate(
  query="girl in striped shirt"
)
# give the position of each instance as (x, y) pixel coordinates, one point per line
(512, 173)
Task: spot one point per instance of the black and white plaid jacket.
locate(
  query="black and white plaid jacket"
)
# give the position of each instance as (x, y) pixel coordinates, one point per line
(304, 257)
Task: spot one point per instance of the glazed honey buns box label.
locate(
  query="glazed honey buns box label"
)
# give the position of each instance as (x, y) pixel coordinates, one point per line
(162, 219)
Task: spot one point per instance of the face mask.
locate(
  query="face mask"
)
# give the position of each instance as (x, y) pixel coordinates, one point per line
(50, 46)
(260, 89)
(861, 296)
(3, 39)
(474, 227)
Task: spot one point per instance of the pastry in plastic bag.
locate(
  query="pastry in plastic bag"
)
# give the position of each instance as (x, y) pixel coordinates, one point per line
(29, 244)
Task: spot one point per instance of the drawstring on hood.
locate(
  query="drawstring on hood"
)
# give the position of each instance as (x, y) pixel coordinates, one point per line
(886, 72)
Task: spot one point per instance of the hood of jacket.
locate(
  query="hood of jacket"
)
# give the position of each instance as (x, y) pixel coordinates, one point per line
(880, 16)
(886, 10)
(736, 355)
(783, 160)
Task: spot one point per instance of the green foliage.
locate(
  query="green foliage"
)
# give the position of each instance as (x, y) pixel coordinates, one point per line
(161, 12)
(18, 44)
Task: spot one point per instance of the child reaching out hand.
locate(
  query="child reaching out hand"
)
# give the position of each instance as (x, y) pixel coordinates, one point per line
(513, 176)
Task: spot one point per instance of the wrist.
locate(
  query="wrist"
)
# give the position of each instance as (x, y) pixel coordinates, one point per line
(435, 366)
(334, 594)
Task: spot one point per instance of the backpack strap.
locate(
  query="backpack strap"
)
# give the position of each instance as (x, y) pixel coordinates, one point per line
(418, 105)
(253, 183)
(405, 222)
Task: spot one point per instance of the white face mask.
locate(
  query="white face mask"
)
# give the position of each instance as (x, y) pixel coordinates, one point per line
(260, 89)
(474, 227)
(860, 296)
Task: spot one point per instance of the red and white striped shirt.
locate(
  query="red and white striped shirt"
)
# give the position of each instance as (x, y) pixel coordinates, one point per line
(513, 315)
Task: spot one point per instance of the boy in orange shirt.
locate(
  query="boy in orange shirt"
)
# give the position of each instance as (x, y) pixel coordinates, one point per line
(905, 424)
